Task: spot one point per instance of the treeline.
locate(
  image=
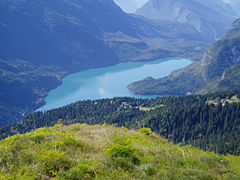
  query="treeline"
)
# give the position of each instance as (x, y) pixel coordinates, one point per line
(9, 115)
(210, 122)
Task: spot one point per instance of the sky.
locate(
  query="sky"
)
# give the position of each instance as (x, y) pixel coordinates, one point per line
(130, 6)
(235, 5)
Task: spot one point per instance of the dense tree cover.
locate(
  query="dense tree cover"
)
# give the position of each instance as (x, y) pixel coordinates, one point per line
(211, 122)
(8, 115)
(23, 87)
(82, 152)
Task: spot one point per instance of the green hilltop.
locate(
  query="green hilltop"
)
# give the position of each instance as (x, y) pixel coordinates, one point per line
(99, 152)
(210, 122)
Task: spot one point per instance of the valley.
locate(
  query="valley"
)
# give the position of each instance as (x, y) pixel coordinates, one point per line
(216, 71)
(69, 37)
(109, 82)
(185, 119)
(119, 89)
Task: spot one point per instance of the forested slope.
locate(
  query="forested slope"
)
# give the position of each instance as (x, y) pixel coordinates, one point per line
(211, 122)
(220, 61)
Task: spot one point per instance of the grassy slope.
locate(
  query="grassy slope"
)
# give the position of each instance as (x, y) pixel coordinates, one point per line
(106, 152)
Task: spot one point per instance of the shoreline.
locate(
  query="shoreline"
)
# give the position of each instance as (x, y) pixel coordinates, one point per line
(116, 68)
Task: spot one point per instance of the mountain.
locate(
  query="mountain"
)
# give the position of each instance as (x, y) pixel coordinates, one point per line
(210, 122)
(43, 41)
(216, 71)
(229, 80)
(76, 34)
(22, 85)
(211, 18)
(106, 152)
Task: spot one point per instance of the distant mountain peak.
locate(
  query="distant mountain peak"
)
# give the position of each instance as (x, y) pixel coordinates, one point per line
(218, 70)
(236, 23)
(211, 18)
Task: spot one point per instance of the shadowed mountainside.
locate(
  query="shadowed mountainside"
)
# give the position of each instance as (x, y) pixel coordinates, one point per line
(217, 70)
(42, 41)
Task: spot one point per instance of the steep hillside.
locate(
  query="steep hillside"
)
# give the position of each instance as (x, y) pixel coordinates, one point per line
(220, 61)
(210, 122)
(45, 40)
(211, 18)
(22, 85)
(105, 152)
(73, 33)
(229, 80)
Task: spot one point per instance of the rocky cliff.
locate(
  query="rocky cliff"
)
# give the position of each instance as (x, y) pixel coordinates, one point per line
(211, 18)
(217, 70)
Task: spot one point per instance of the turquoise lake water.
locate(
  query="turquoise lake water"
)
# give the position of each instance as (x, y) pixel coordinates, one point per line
(108, 82)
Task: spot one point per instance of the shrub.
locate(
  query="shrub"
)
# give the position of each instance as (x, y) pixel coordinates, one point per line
(38, 139)
(51, 162)
(150, 171)
(86, 169)
(123, 154)
(71, 143)
(146, 131)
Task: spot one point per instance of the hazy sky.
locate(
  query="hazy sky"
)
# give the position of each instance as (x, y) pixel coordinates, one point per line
(130, 6)
(235, 5)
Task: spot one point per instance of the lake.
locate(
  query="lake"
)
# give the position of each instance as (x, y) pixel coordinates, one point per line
(108, 82)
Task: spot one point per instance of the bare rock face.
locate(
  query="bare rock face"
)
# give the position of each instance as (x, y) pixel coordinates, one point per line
(217, 70)
(222, 54)
(211, 18)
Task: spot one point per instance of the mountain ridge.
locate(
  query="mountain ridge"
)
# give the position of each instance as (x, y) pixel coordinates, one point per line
(72, 36)
(211, 18)
(193, 79)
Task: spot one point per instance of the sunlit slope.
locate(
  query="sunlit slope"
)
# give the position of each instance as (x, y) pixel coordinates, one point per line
(106, 152)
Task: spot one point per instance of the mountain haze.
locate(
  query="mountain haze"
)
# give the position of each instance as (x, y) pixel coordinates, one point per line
(187, 127)
(211, 18)
(43, 41)
(235, 4)
(75, 33)
(217, 70)
(130, 6)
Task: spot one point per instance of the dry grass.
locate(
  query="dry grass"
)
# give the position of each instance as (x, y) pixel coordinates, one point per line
(80, 151)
